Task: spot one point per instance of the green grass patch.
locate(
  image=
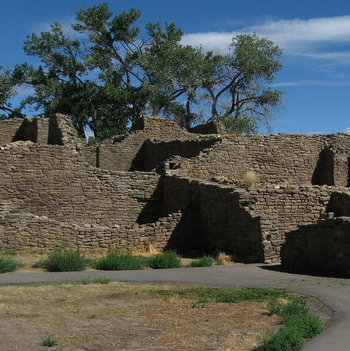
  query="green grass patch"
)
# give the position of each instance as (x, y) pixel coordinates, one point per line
(115, 261)
(226, 295)
(8, 264)
(205, 261)
(10, 253)
(298, 324)
(64, 261)
(167, 259)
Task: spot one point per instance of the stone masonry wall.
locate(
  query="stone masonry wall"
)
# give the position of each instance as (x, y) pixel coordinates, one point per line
(27, 232)
(51, 181)
(322, 247)
(118, 153)
(251, 223)
(276, 159)
(153, 153)
(213, 220)
(212, 127)
(62, 132)
(282, 210)
(8, 129)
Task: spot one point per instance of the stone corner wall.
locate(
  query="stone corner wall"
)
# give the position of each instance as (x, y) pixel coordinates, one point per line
(9, 127)
(62, 131)
(323, 247)
(212, 127)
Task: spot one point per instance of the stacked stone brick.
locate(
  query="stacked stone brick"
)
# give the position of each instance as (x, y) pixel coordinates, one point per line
(162, 186)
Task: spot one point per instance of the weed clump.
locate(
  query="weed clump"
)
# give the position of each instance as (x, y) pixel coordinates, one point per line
(49, 341)
(205, 261)
(65, 261)
(167, 259)
(115, 261)
(8, 264)
(299, 324)
(249, 179)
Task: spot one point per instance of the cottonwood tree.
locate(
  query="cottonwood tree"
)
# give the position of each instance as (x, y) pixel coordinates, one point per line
(9, 82)
(238, 85)
(110, 73)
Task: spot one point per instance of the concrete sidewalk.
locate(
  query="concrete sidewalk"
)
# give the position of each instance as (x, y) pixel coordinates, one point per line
(335, 292)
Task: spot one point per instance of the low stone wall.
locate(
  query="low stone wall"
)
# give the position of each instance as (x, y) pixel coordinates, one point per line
(322, 247)
(51, 180)
(27, 232)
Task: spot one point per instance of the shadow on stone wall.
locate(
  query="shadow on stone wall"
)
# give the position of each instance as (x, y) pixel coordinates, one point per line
(212, 221)
(322, 248)
(339, 204)
(324, 170)
(152, 154)
(151, 211)
(27, 131)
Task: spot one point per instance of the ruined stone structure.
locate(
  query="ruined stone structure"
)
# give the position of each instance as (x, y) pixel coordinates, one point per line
(162, 186)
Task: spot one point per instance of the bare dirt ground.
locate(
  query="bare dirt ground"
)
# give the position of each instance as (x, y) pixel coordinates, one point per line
(118, 316)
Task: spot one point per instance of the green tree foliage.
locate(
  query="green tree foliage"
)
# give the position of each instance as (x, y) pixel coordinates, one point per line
(8, 83)
(110, 74)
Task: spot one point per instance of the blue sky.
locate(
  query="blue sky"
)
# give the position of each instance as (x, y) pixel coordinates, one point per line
(314, 35)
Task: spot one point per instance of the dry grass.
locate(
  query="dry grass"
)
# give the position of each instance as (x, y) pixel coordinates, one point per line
(224, 258)
(249, 179)
(124, 317)
(150, 249)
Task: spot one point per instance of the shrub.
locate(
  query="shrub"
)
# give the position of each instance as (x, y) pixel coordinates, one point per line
(167, 259)
(205, 261)
(8, 264)
(65, 261)
(115, 261)
(286, 339)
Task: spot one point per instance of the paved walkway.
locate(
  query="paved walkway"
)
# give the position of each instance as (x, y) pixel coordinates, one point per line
(333, 291)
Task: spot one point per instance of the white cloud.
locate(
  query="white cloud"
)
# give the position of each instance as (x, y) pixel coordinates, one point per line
(347, 130)
(311, 83)
(66, 24)
(308, 38)
(24, 90)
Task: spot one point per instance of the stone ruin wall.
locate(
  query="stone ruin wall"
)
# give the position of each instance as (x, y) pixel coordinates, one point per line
(275, 159)
(251, 223)
(50, 181)
(27, 232)
(9, 127)
(60, 199)
(319, 247)
(122, 152)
